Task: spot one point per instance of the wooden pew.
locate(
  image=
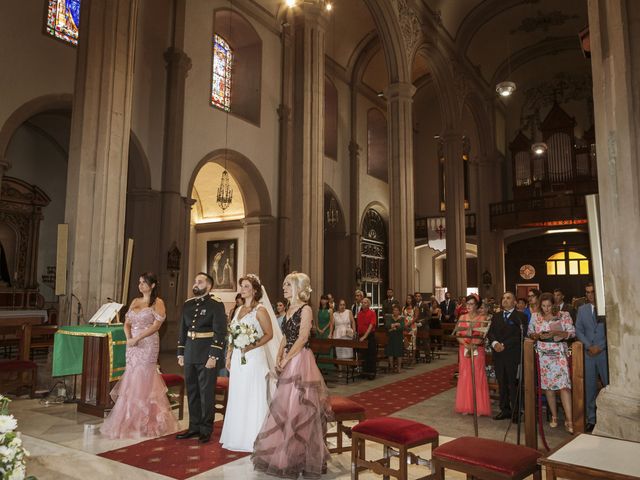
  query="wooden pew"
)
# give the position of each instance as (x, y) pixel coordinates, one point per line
(326, 346)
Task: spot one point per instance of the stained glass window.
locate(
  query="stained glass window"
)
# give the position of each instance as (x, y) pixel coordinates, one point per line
(221, 75)
(63, 20)
(557, 264)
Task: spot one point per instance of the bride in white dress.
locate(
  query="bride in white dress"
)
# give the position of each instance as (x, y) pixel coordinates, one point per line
(250, 383)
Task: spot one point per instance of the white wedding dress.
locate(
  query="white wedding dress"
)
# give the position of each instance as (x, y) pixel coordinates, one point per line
(247, 404)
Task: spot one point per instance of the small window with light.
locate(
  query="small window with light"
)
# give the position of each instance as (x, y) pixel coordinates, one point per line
(567, 263)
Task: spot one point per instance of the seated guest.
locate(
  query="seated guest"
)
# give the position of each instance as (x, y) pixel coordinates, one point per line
(551, 332)
(394, 324)
(464, 392)
(367, 323)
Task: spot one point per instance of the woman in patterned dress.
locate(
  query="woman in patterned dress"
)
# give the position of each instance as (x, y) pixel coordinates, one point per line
(551, 333)
(142, 408)
(394, 324)
(291, 441)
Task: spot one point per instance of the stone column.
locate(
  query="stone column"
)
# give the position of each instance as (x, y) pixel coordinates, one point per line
(98, 150)
(4, 166)
(260, 252)
(456, 280)
(615, 44)
(172, 223)
(401, 216)
(309, 25)
(355, 233)
(490, 251)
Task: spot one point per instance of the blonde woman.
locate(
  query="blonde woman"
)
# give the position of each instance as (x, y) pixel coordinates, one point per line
(292, 437)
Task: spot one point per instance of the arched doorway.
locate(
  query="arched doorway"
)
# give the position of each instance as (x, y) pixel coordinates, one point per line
(336, 248)
(374, 266)
(239, 239)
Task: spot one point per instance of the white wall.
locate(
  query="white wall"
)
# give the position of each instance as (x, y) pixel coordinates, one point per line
(204, 128)
(34, 63)
(425, 281)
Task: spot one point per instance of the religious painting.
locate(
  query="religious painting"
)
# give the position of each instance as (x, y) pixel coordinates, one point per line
(222, 264)
(63, 20)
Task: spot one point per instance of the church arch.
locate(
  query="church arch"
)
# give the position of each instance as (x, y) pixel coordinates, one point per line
(45, 103)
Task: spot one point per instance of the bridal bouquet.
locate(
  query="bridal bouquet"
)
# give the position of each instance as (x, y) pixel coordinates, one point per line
(12, 453)
(241, 336)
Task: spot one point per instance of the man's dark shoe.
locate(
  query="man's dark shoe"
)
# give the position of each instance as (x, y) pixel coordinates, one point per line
(204, 438)
(187, 434)
(589, 427)
(502, 415)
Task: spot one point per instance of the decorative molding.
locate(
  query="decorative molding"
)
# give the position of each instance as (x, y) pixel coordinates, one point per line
(543, 21)
(409, 26)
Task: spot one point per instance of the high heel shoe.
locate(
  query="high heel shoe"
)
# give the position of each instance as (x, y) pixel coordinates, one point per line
(554, 422)
(568, 426)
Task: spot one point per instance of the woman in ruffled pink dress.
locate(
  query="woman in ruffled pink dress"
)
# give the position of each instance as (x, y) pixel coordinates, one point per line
(142, 408)
(291, 441)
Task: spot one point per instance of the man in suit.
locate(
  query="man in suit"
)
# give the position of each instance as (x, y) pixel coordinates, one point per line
(357, 304)
(448, 307)
(201, 341)
(421, 311)
(505, 336)
(592, 333)
(388, 303)
(562, 306)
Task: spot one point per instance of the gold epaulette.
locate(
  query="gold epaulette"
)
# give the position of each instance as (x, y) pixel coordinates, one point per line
(215, 297)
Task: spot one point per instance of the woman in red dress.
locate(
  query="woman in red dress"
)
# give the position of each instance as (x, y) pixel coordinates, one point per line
(464, 393)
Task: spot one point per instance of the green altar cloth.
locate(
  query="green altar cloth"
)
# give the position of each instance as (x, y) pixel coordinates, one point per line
(68, 347)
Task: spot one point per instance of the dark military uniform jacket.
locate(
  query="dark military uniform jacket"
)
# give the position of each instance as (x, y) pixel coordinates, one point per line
(202, 316)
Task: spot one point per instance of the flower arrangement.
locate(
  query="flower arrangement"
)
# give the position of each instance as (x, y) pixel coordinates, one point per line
(12, 453)
(241, 336)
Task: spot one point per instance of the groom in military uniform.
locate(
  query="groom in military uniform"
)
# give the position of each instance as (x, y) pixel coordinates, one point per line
(201, 341)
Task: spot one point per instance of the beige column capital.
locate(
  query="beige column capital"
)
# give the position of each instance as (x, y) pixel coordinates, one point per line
(400, 91)
(176, 58)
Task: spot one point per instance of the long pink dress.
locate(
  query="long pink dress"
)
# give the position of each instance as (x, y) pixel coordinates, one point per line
(464, 391)
(291, 442)
(142, 408)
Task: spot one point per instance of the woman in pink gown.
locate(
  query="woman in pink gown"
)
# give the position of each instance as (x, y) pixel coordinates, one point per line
(291, 441)
(142, 408)
(464, 391)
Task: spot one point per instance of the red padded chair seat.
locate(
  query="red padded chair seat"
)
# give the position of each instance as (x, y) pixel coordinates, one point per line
(505, 458)
(222, 383)
(343, 406)
(16, 365)
(172, 380)
(397, 430)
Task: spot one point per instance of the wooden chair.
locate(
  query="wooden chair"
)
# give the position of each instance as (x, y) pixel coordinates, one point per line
(344, 410)
(173, 381)
(485, 459)
(382, 339)
(397, 436)
(25, 370)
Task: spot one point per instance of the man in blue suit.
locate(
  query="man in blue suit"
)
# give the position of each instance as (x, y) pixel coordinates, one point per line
(592, 334)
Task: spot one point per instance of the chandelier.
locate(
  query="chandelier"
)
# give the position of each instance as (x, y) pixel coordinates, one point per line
(225, 192)
(505, 89)
(333, 214)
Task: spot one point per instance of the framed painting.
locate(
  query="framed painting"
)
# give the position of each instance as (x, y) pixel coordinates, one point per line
(222, 264)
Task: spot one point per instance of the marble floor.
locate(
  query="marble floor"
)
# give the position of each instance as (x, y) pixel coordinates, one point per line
(63, 443)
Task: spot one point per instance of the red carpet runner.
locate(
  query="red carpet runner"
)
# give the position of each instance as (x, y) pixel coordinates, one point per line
(181, 459)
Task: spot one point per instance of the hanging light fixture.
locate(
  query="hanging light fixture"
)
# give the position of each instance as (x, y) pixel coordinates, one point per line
(539, 148)
(224, 195)
(507, 88)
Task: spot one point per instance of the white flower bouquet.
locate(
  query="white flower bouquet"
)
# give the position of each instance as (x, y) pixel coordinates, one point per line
(241, 336)
(12, 453)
